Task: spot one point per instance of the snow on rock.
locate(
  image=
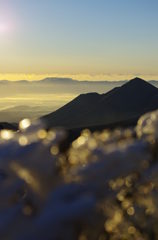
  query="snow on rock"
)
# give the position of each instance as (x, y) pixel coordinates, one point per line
(104, 186)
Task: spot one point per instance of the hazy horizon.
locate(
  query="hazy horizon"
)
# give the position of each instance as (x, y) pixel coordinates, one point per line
(78, 77)
(84, 78)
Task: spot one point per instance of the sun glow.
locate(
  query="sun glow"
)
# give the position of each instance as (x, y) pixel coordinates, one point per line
(4, 28)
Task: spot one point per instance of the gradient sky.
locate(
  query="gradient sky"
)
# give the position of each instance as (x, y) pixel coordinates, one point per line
(84, 39)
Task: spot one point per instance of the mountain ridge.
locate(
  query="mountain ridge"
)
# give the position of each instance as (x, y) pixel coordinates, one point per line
(132, 99)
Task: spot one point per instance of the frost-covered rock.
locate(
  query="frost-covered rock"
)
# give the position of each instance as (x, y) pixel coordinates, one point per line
(104, 186)
(148, 125)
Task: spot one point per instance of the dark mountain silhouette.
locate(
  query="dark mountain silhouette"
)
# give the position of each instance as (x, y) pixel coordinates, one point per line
(122, 103)
(9, 126)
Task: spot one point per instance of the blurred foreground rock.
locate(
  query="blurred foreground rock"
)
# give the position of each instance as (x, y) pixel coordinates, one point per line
(103, 186)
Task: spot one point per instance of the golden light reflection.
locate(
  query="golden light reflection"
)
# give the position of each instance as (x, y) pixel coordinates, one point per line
(26, 175)
(25, 123)
(6, 134)
(54, 150)
(42, 134)
(23, 141)
(131, 211)
(51, 135)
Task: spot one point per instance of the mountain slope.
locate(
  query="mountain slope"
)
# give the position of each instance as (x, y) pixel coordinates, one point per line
(124, 102)
(73, 112)
(132, 99)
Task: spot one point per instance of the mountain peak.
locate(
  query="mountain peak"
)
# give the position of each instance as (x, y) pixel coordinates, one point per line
(137, 79)
(138, 83)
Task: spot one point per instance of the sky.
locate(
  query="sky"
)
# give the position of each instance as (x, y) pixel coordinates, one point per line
(82, 39)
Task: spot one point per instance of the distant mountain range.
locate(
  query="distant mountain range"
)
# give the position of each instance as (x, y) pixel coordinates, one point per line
(129, 101)
(57, 80)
